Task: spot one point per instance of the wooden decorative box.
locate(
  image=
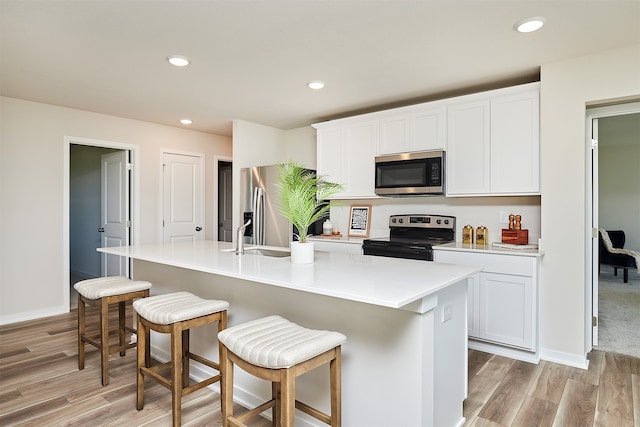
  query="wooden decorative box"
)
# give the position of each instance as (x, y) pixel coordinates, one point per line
(515, 237)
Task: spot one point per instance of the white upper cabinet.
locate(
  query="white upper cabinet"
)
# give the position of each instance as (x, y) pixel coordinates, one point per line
(346, 155)
(515, 144)
(468, 148)
(413, 131)
(491, 140)
(493, 143)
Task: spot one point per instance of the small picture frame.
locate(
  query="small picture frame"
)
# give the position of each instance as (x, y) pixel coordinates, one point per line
(359, 221)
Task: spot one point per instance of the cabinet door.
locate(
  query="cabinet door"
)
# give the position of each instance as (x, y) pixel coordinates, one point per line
(420, 131)
(359, 165)
(330, 154)
(473, 306)
(506, 307)
(468, 149)
(427, 130)
(394, 135)
(515, 144)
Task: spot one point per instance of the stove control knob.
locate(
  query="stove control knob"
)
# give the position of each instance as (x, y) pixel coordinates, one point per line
(446, 221)
(438, 221)
(394, 220)
(401, 220)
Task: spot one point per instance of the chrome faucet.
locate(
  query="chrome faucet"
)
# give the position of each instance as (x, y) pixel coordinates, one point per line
(240, 238)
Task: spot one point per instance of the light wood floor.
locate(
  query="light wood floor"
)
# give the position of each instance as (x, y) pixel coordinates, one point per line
(40, 385)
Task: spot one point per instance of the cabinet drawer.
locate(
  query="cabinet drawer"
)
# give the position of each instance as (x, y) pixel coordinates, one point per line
(491, 263)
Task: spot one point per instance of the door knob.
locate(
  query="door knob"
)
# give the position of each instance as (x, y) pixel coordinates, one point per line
(198, 228)
(101, 230)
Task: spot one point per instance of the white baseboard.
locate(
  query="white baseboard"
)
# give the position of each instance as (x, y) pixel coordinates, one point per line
(512, 353)
(565, 358)
(31, 315)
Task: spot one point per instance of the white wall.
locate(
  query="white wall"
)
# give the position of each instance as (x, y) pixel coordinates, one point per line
(567, 87)
(259, 145)
(32, 267)
(474, 211)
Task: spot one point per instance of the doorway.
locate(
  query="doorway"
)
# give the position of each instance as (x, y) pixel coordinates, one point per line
(88, 224)
(225, 201)
(614, 143)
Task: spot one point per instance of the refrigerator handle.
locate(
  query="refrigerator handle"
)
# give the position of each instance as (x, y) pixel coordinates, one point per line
(258, 216)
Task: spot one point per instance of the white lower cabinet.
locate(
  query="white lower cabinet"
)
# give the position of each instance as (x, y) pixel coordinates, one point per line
(505, 309)
(502, 298)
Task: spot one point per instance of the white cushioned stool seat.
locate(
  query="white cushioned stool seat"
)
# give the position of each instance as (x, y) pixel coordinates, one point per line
(109, 286)
(277, 350)
(176, 307)
(275, 343)
(175, 314)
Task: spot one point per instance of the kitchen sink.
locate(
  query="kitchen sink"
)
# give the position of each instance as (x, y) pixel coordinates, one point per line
(268, 252)
(264, 252)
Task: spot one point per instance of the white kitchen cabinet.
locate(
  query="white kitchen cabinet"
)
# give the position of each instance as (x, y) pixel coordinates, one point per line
(505, 304)
(493, 143)
(346, 153)
(502, 298)
(468, 148)
(413, 131)
(515, 143)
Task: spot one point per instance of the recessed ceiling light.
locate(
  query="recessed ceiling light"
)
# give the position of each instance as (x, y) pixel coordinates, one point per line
(530, 24)
(316, 84)
(186, 121)
(178, 61)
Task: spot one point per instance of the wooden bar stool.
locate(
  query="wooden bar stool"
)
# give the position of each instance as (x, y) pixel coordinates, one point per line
(102, 292)
(175, 314)
(277, 350)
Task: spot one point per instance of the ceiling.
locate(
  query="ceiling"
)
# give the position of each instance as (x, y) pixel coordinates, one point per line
(251, 60)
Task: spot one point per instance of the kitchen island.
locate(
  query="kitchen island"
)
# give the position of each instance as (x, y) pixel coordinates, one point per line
(405, 359)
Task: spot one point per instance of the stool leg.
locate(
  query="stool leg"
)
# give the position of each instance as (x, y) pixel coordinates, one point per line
(335, 375)
(276, 414)
(176, 373)
(287, 397)
(226, 385)
(104, 340)
(81, 332)
(143, 345)
(185, 359)
(121, 330)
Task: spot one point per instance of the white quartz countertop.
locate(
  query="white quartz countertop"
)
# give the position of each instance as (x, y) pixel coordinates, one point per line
(382, 281)
(488, 249)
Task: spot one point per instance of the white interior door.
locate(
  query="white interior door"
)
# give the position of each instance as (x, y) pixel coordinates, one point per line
(182, 197)
(114, 210)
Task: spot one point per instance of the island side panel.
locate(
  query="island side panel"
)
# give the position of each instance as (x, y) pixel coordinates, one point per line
(383, 357)
(450, 352)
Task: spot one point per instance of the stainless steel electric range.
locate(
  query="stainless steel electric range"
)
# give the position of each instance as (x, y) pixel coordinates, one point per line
(413, 236)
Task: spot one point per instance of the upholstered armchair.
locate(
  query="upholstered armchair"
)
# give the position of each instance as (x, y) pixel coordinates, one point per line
(616, 260)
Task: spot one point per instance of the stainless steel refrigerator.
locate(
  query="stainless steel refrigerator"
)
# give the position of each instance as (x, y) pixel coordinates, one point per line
(259, 202)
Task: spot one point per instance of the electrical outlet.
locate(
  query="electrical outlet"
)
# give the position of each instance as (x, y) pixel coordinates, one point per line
(447, 313)
(504, 217)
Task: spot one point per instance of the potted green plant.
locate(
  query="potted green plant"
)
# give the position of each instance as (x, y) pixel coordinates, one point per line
(304, 198)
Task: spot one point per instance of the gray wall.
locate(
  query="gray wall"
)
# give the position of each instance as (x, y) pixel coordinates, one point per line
(619, 176)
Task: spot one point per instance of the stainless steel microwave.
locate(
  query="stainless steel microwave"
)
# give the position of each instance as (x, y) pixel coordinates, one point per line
(410, 174)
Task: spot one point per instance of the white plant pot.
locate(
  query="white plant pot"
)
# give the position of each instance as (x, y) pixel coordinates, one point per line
(301, 253)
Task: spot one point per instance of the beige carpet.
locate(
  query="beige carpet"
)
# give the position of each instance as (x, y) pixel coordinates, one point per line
(619, 313)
